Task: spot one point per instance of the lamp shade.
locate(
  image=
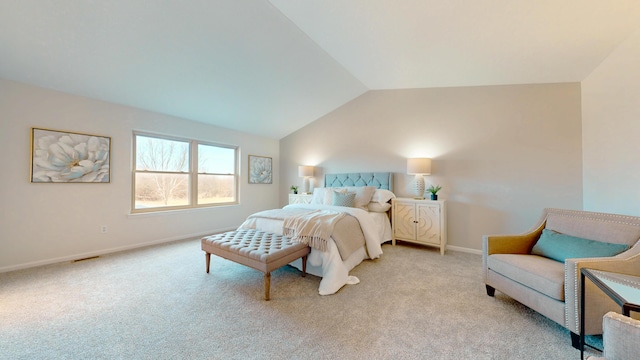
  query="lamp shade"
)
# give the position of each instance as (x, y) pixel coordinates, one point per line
(305, 171)
(419, 166)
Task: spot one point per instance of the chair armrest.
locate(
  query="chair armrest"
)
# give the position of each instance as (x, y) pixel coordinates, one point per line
(513, 244)
(621, 337)
(508, 244)
(598, 303)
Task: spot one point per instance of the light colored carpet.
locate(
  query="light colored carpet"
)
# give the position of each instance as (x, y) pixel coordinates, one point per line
(158, 303)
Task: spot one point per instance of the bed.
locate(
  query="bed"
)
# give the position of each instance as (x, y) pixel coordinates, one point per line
(357, 229)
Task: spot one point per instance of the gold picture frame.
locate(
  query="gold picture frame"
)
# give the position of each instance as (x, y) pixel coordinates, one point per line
(69, 157)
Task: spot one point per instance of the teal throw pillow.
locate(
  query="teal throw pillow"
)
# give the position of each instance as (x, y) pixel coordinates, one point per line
(343, 199)
(558, 246)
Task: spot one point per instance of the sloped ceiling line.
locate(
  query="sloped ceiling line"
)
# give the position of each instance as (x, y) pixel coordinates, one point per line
(272, 67)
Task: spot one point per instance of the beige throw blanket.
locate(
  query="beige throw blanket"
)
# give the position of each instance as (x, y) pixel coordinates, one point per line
(313, 228)
(347, 233)
(279, 214)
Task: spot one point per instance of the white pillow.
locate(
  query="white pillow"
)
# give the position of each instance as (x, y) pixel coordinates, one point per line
(363, 195)
(318, 196)
(382, 196)
(324, 196)
(379, 207)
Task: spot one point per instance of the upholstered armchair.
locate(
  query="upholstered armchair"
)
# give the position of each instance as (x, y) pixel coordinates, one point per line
(621, 338)
(551, 286)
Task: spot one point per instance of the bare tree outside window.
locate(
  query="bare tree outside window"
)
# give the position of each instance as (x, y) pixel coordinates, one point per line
(164, 163)
(164, 176)
(216, 174)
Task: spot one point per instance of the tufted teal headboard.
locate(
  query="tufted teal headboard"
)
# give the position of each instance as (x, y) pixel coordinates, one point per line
(381, 180)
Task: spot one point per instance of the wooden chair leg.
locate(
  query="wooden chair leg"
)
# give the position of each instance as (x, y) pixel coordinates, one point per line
(267, 285)
(304, 266)
(208, 257)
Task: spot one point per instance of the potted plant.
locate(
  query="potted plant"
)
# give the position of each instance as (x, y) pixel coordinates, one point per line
(294, 189)
(433, 189)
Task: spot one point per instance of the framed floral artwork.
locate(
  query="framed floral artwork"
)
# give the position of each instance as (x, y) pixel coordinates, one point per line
(68, 157)
(260, 170)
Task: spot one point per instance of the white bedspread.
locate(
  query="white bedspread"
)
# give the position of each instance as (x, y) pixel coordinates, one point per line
(328, 264)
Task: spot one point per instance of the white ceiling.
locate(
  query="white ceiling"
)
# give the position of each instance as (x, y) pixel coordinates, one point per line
(271, 67)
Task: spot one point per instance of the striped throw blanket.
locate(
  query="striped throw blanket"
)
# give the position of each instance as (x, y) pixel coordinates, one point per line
(314, 228)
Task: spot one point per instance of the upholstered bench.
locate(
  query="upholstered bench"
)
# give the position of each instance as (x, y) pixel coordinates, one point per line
(260, 250)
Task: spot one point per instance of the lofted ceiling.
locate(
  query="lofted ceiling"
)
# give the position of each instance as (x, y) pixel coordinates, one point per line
(272, 67)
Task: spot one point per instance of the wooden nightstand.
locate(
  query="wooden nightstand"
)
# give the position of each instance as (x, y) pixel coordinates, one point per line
(300, 198)
(420, 221)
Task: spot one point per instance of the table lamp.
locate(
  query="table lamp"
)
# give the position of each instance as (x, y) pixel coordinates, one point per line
(419, 167)
(305, 172)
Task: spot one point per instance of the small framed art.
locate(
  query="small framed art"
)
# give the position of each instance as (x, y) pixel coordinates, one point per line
(68, 157)
(260, 171)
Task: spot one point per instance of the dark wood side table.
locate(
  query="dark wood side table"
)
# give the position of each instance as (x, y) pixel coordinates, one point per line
(623, 289)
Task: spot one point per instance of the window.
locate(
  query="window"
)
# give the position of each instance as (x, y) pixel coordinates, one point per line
(173, 173)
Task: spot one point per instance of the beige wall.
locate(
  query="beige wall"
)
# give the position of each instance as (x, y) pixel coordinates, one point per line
(501, 153)
(611, 132)
(44, 223)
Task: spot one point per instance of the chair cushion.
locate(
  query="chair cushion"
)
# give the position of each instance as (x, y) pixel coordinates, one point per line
(539, 273)
(559, 247)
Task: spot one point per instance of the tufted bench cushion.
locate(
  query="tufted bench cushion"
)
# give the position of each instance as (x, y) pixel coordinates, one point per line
(263, 251)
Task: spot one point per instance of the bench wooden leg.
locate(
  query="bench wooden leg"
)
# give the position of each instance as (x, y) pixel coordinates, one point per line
(267, 285)
(304, 266)
(208, 257)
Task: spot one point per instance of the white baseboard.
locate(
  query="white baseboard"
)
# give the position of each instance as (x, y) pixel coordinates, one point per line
(463, 249)
(151, 243)
(107, 251)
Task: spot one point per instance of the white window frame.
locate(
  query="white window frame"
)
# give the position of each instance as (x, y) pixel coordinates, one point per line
(192, 173)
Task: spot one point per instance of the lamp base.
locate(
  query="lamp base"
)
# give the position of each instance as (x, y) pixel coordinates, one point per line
(419, 187)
